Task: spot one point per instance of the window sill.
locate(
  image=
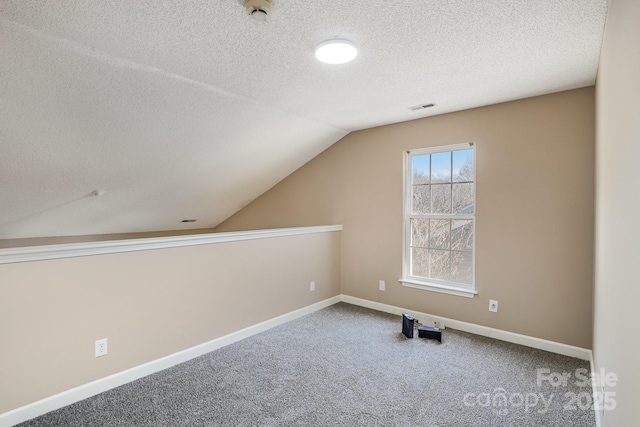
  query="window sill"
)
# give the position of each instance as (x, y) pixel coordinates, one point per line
(451, 290)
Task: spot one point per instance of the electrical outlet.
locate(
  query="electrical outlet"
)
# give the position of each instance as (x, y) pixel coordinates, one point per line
(101, 347)
(381, 285)
(312, 285)
(493, 305)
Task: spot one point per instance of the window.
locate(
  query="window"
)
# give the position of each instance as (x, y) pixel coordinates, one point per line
(439, 219)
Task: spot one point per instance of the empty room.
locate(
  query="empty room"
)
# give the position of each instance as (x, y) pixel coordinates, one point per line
(327, 213)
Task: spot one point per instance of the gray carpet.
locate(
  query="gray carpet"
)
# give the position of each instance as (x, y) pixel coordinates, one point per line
(346, 366)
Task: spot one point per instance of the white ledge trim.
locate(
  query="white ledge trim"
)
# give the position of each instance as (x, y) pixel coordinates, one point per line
(70, 250)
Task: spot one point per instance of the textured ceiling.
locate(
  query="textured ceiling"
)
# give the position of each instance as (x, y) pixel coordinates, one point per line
(189, 109)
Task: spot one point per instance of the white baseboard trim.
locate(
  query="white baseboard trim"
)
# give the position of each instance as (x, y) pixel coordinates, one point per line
(425, 318)
(84, 391)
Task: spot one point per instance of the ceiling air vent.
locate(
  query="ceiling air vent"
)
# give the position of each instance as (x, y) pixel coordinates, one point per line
(421, 107)
(189, 220)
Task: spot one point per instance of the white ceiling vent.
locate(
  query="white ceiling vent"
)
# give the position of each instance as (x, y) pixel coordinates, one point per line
(421, 107)
(260, 10)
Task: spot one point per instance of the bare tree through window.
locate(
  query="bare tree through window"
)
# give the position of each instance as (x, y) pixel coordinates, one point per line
(441, 215)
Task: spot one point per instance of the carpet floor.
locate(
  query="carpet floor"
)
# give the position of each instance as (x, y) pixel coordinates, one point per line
(349, 366)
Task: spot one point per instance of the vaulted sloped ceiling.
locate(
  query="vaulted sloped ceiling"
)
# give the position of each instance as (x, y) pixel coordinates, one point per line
(190, 109)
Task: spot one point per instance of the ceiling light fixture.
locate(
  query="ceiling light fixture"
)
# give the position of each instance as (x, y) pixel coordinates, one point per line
(336, 51)
(259, 9)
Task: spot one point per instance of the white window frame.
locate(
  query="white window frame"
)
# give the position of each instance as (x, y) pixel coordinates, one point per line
(453, 288)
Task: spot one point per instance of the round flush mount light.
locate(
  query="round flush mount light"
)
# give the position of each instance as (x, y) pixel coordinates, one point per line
(336, 51)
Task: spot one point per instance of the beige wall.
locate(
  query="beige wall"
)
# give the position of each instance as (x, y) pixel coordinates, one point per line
(535, 173)
(148, 304)
(617, 287)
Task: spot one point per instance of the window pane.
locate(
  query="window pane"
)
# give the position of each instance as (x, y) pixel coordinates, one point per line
(420, 169)
(441, 167)
(419, 232)
(462, 267)
(439, 264)
(463, 165)
(462, 235)
(419, 262)
(462, 199)
(421, 203)
(440, 236)
(441, 241)
(441, 199)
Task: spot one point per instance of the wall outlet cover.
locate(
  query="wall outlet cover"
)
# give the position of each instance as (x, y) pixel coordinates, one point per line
(493, 306)
(101, 347)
